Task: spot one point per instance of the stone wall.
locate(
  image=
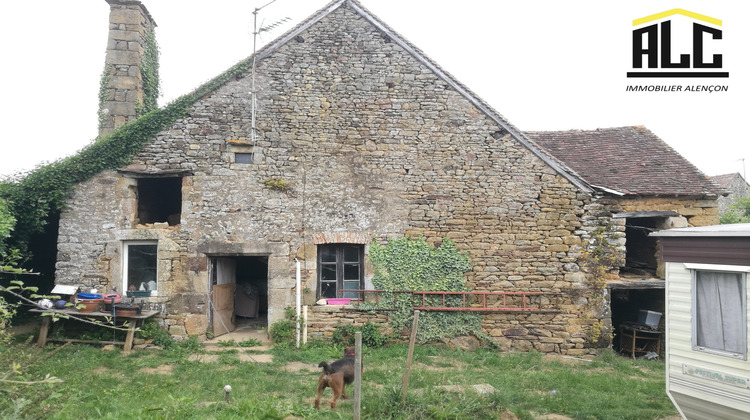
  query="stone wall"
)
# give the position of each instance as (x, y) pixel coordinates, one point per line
(372, 144)
(737, 188)
(698, 211)
(322, 320)
(122, 81)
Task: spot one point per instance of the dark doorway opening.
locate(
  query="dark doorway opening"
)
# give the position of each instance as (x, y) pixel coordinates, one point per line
(628, 299)
(251, 294)
(239, 289)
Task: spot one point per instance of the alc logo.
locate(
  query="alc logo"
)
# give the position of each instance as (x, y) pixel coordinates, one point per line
(652, 46)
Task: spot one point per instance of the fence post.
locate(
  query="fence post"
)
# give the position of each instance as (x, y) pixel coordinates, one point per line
(412, 339)
(357, 374)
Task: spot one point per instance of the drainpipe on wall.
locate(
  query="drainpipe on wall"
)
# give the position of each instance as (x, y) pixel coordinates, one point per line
(299, 298)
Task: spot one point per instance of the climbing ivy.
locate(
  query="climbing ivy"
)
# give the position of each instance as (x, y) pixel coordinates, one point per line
(413, 264)
(600, 257)
(150, 74)
(33, 198)
(104, 96)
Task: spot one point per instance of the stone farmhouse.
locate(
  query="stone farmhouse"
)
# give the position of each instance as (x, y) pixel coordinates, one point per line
(355, 135)
(735, 185)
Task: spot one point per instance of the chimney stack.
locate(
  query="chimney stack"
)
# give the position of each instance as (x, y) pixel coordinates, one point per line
(129, 85)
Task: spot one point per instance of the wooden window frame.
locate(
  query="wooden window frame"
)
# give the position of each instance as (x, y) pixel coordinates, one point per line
(340, 263)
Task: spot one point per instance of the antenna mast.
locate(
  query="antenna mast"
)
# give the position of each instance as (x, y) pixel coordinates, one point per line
(253, 96)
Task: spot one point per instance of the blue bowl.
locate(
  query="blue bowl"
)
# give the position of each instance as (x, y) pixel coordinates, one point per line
(88, 296)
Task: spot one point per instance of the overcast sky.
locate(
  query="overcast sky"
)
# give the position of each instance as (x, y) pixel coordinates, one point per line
(543, 64)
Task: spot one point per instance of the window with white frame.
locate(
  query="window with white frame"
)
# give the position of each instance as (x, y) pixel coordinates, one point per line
(139, 266)
(720, 312)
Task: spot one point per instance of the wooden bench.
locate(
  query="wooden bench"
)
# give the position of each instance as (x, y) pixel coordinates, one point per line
(134, 323)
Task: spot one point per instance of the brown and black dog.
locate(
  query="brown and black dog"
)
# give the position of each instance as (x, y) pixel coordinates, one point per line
(336, 375)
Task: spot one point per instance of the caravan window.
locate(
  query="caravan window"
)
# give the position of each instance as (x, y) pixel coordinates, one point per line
(719, 313)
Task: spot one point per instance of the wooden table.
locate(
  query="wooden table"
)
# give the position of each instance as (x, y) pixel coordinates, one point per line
(635, 339)
(135, 322)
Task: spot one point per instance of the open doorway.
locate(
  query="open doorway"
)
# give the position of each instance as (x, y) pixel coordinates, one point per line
(239, 293)
(627, 300)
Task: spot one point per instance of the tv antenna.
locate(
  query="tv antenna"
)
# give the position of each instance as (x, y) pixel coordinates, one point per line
(253, 90)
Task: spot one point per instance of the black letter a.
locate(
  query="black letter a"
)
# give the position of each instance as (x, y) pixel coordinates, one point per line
(651, 51)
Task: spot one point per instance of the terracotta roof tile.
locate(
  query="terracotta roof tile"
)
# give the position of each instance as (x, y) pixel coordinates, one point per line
(631, 160)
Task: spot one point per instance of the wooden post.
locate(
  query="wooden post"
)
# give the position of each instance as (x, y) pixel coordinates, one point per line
(304, 326)
(357, 374)
(412, 340)
(43, 331)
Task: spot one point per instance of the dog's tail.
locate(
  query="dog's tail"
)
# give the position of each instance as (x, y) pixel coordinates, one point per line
(326, 368)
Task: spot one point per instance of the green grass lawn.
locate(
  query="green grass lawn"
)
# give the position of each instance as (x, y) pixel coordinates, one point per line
(168, 385)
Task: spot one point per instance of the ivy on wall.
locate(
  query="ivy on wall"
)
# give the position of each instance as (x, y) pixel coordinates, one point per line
(600, 257)
(415, 265)
(104, 96)
(150, 74)
(37, 195)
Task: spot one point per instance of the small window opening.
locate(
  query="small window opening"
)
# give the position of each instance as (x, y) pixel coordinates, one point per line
(159, 200)
(246, 158)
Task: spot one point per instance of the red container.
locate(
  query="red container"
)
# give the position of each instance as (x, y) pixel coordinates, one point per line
(89, 305)
(127, 310)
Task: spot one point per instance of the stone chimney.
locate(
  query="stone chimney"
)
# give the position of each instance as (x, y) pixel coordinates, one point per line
(129, 82)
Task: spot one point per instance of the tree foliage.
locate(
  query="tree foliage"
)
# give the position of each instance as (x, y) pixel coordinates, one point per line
(7, 223)
(738, 212)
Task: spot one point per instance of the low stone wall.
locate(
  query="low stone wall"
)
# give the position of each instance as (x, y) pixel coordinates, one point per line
(543, 332)
(322, 320)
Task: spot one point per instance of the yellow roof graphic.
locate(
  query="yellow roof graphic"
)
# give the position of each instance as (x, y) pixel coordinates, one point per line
(683, 12)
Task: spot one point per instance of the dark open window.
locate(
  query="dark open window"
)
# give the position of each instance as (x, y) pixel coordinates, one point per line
(159, 200)
(340, 266)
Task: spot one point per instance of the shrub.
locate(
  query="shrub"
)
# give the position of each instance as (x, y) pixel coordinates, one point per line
(285, 330)
(158, 336)
(371, 336)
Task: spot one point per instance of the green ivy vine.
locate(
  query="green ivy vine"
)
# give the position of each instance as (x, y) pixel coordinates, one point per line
(413, 264)
(150, 74)
(599, 258)
(104, 95)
